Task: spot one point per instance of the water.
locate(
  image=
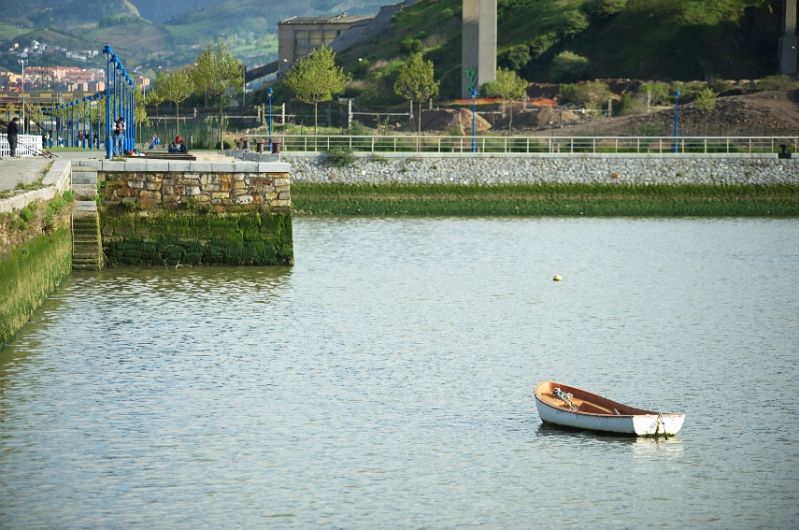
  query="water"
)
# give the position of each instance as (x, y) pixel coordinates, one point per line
(385, 382)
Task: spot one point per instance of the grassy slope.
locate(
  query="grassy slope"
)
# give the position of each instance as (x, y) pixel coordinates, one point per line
(660, 39)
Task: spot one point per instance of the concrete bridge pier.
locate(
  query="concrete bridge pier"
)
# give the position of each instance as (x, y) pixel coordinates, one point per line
(789, 41)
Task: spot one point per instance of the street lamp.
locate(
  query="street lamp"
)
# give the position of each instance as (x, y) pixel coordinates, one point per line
(676, 120)
(22, 89)
(22, 63)
(474, 120)
(269, 94)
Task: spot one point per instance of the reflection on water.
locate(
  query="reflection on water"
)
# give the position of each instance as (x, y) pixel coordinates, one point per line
(385, 381)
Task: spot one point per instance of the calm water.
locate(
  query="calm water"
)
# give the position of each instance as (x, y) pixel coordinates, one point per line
(385, 382)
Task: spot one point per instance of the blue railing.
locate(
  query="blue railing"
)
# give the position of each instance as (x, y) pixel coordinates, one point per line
(80, 122)
(119, 100)
(76, 123)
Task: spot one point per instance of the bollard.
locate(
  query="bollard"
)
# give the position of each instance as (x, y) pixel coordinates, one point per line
(276, 148)
(260, 145)
(784, 153)
(245, 142)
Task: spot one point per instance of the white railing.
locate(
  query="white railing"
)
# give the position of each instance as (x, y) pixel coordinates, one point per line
(27, 145)
(535, 144)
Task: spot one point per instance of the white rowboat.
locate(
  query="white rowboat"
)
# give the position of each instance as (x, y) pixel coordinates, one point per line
(573, 407)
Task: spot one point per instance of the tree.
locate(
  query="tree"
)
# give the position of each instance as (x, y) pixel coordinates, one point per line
(516, 57)
(316, 78)
(568, 66)
(508, 86)
(416, 82)
(216, 72)
(139, 109)
(175, 86)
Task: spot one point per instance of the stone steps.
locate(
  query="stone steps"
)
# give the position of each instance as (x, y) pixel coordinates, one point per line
(87, 244)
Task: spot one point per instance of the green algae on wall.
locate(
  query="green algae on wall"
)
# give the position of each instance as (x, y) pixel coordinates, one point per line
(29, 272)
(191, 237)
(597, 200)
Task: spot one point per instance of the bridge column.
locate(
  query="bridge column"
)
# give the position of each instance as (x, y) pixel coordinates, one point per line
(479, 44)
(788, 40)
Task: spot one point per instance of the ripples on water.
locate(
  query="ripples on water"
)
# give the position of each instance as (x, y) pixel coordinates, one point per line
(385, 381)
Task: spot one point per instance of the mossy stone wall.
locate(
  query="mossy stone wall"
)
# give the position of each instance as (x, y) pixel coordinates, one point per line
(184, 237)
(195, 218)
(28, 274)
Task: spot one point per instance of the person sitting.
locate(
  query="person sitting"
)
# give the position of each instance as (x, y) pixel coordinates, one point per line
(181, 145)
(154, 141)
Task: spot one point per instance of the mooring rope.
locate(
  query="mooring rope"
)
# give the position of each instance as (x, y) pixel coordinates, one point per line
(565, 397)
(658, 423)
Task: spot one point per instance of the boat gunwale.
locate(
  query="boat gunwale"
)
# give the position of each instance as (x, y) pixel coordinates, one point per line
(594, 399)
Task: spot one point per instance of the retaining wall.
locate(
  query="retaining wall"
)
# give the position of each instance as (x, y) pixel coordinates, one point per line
(28, 274)
(157, 212)
(481, 169)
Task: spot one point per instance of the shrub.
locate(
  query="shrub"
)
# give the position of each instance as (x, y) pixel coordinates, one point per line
(777, 82)
(541, 43)
(590, 94)
(631, 105)
(410, 45)
(575, 22)
(515, 57)
(607, 8)
(340, 157)
(659, 92)
(719, 86)
(688, 90)
(569, 66)
(706, 100)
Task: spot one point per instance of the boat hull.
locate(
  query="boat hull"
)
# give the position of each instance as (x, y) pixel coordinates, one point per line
(640, 422)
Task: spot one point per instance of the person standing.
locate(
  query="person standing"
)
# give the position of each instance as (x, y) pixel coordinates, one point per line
(119, 136)
(12, 131)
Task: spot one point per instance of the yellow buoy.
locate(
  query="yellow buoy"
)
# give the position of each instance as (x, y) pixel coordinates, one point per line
(556, 278)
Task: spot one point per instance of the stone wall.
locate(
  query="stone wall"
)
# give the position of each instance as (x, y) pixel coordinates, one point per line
(218, 186)
(28, 274)
(554, 168)
(157, 212)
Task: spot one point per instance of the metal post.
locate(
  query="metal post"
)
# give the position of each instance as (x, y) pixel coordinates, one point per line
(83, 125)
(474, 120)
(70, 123)
(107, 50)
(676, 120)
(349, 113)
(269, 94)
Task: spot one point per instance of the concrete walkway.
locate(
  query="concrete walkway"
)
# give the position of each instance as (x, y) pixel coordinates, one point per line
(25, 171)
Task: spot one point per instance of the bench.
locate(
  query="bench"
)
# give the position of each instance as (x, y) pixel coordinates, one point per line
(160, 155)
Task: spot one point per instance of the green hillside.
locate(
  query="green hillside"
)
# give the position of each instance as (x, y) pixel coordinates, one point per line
(174, 35)
(649, 39)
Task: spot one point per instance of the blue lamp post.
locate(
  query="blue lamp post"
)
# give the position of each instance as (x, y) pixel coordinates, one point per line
(83, 125)
(108, 51)
(676, 120)
(269, 94)
(474, 120)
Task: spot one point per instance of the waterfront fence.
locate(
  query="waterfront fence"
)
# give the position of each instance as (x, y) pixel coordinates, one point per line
(27, 145)
(536, 144)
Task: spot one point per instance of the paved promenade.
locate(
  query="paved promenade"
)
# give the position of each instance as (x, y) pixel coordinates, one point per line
(15, 171)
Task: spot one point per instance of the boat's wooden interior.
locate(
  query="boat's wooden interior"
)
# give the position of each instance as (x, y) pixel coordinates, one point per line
(584, 402)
